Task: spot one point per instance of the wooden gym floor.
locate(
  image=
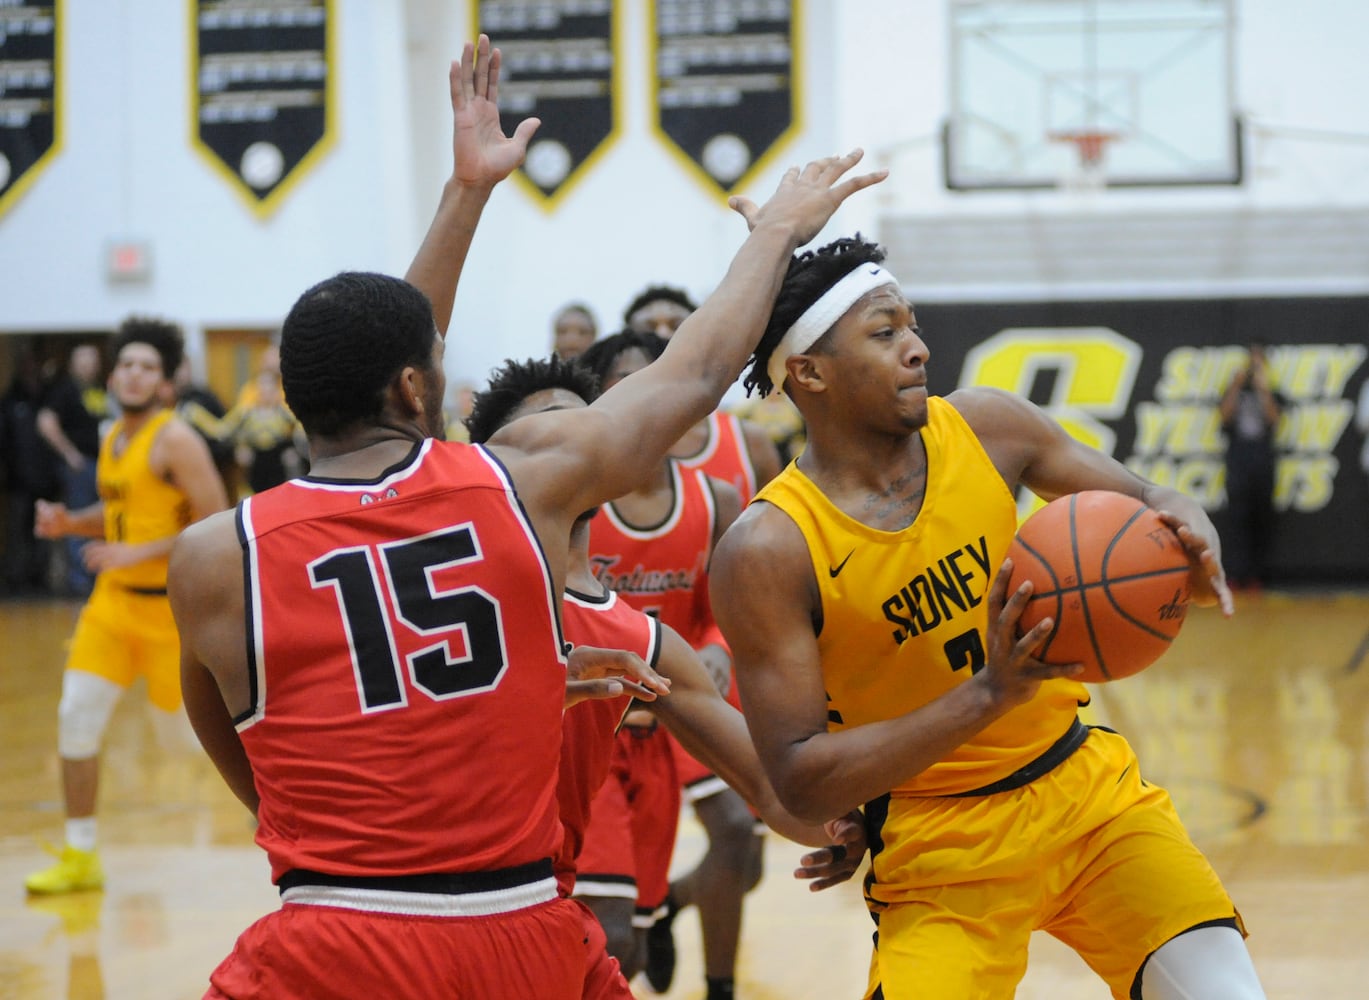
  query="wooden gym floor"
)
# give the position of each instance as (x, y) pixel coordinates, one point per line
(1259, 727)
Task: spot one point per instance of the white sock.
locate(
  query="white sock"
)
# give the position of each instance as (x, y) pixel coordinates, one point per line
(81, 833)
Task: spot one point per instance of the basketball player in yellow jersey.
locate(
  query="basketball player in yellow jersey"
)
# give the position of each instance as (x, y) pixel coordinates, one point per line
(154, 476)
(865, 596)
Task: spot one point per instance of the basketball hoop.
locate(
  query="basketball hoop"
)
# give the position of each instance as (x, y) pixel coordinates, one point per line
(1090, 173)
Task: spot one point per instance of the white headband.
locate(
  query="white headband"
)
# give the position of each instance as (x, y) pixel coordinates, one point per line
(822, 315)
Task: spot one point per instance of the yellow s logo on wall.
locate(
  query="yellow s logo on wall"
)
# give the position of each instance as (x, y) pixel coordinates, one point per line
(1090, 372)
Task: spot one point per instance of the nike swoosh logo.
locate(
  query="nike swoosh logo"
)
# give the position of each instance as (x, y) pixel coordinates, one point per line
(834, 570)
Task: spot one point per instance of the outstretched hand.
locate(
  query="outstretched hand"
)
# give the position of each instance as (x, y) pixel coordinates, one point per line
(482, 155)
(807, 198)
(592, 672)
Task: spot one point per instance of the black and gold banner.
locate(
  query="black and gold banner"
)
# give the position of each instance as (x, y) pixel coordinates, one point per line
(29, 119)
(559, 66)
(263, 91)
(724, 75)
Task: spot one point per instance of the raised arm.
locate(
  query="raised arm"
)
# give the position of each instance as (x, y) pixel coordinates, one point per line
(1029, 447)
(635, 423)
(482, 156)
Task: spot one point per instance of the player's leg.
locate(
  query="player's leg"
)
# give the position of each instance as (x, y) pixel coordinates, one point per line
(96, 675)
(1137, 884)
(606, 876)
(953, 945)
(1211, 963)
(654, 796)
(719, 883)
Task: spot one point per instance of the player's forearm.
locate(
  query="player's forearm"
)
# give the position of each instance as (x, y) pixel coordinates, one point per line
(831, 773)
(88, 522)
(714, 343)
(436, 268)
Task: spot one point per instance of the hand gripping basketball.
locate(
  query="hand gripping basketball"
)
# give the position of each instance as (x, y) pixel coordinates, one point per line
(1111, 574)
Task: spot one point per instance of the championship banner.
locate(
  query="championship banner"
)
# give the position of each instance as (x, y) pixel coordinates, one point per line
(262, 91)
(29, 119)
(1142, 381)
(723, 76)
(559, 66)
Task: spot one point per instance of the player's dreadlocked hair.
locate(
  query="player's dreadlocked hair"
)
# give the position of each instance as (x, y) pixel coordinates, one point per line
(515, 381)
(659, 293)
(163, 337)
(342, 343)
(601, 354)
(809, 276)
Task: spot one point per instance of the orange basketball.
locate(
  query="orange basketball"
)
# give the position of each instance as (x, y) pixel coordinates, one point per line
(1112, 576)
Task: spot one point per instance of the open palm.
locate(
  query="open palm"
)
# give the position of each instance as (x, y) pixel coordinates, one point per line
(483, 155)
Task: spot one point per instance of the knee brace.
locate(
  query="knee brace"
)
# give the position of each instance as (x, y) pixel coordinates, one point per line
(83, 713)
(1206, 963)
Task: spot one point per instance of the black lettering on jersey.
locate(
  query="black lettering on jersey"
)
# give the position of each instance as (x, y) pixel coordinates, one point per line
(892, 606)
(639, 580)
(940, 592)
(962, 579)
(918, 593)
(833, 716)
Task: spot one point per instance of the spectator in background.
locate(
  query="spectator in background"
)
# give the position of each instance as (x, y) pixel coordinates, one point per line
(69, 421)
(264, 434)
(573, 329)
(30, 474)
(260, 432)
(202, 409)
(659, 309)
(1250, 411)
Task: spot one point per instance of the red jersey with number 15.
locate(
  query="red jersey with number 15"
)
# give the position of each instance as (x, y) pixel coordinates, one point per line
(407, 671)
(587, 737)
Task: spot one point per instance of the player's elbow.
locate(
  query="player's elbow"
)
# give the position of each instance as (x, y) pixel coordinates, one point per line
(812, 796)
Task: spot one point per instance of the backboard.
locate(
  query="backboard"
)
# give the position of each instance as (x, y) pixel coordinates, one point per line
(1116, 92)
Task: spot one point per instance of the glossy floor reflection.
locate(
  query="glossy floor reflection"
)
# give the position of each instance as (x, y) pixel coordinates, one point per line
(1259, 726)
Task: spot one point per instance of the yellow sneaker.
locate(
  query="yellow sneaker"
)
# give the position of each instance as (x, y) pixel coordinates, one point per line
(74, 871)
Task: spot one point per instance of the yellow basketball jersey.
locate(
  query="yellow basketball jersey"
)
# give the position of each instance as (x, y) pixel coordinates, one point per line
(140, 506)
(904, 613)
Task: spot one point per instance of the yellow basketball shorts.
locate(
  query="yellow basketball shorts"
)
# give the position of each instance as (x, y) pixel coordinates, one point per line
(122, 634)
(1090, 852)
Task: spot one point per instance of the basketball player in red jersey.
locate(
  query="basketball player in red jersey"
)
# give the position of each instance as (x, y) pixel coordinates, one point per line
(594, 616)
(865, 595)
(725, 446)
(372, 655)
(653, 546)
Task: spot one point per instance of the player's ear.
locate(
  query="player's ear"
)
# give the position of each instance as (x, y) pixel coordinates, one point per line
(804, 371)
(408, 389)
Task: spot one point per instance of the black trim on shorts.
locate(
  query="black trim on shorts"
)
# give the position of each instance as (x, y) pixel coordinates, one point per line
(876, 815)
(447, 884)
(147, 591)
(1135, 992)
(1054, 756)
